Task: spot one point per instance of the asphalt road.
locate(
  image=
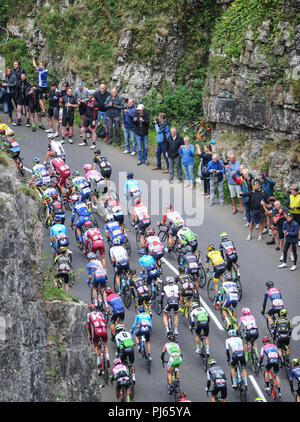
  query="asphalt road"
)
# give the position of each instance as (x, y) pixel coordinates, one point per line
(257, 260)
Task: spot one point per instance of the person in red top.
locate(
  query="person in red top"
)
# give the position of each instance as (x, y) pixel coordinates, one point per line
(91, 116)
(97, 330)
(94, 242)
(182, 398)
(140, 217)
(59, 167)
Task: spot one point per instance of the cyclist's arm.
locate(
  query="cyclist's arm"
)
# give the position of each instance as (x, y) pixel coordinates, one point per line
(265, 302)
(134, 324)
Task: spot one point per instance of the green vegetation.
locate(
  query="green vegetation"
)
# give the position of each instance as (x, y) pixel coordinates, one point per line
(4, 159)
(30, 192)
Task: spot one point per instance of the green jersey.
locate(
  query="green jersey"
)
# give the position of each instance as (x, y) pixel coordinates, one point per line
(199, 315)
(124, 340)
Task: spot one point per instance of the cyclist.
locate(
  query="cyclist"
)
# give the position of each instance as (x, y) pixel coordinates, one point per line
(235, 344)
(175, 359)
(295, 373)
(40, 176)
(63, 263)
(142, 290)
(141, 219)
(12, 148)
(119, 259)
(154, 246)
(175, 222)
(56, 208)
(229, 253)
(58, 236)
(97, 275)
(187, 237)
(144, 322)
(282, 332)
(218, 263)
(104, 165)
(95, 181)
(120, 374)
(216, 376)
(83, 213)
(200, 317)
(132, 188)
(113, 229)
(186, 290)
(149, 267)
(55, 149)
(98, 330)
(80, 186)
(188, 263)
(125, 347)
(271, 352)
(182, 398)
(275, 297)
(248, 328)
(93, 241)
(118, 309)
(227, 296)
(59, 167)
(115, 209)
(171, 291)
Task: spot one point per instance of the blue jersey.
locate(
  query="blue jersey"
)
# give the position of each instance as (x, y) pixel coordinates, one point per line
(43, 75)
(295, 373)
(80, 184)
(115, 302)
(81, 209)
(148, 262)
(275, 297)
(143, 319)
(131, 187)
(48, 192)
(57, 230)
(40, 172)
(96, 269)
(271, 352)
(114, 229)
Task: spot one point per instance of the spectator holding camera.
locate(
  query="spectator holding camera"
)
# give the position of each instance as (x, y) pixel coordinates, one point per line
(290, 231)
(81, 95)
(187, 157)
(216, 175)
(246, 181)
(206, 157)
(128, 126)
(174, 142)
(293, 203)
(141, 122)
(163, 132)
(42, 83)
(114, 105)
(235, 190)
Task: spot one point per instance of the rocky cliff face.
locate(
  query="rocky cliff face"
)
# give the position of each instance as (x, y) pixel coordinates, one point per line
(44, 352)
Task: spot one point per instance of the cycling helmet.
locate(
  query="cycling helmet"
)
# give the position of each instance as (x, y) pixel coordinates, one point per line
(116, 241)
(182, 395)
(283, 312)
(36, 159)
(295, 361)
(194, 305)
(265, 339)
(142, 308)
(258, 399)
(245, 311)
(269, 284)
(137, 201)
(211, 247)
(169, 207)
(187, 248)
(75, 173)
(211, 362)
(151, 231)
(129, 175)
(92, 307)
(171, 336)
(142, 251)
(75, 198)
(97, 151)
(119, 328)
(108, 290)
(62, 249)
(87, 167)
(117, 362)
(223, 235)
(53, 195)
(91, 92)
(91, 255)
(109, 217)
(232, 333)
(227, 276)
(170, 279)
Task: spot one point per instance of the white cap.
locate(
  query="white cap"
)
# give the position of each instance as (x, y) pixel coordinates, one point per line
(140, 107)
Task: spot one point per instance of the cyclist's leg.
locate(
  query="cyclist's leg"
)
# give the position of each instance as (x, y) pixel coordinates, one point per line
(175, 307)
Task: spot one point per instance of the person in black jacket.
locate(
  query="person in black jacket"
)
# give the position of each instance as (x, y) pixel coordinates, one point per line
(22, 100)
(141, 122)
(257, 212)
(206, 157)
(174, 142)
(290, 230)
(101, 97)
(9, 85)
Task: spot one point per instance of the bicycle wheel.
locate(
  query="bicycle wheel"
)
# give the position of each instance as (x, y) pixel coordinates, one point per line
(106, 370)
(157, 304)
(126, 296)
(202, 276)
(127, 245)
(71, 276)
(163, 236)
(239, 287)
(243, 393)
(137, 239)
(4, 36)
(115, 283)
(211, 289)
(176, 390)
(129, 210)
(223, 320)
(287, 365)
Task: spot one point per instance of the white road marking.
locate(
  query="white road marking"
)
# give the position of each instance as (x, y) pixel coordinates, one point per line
(215, 319)
(256, 386)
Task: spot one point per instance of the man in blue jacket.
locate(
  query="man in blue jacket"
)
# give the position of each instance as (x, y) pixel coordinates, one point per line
(216, 176)
(128, 126)
(163, 132)
(290, 230)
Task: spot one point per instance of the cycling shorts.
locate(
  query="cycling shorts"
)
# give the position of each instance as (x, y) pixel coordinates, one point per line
(116, 315)
(98, 245)
(143, 225)
(157, 255)
(283, 340)
(174, 230)
(67, 119)
(193, 244)
(202, 326)
(229, 302)
(143, 297)
(238, 357)
(34, 108)
(88, 122)
(219, 270)
(171, 304)
(63, 242)
(152, 275)
(119, 218)
(64, 276)
(174, 362)
(121, 266)
(53, 112)
(100, 281)
(251, 334)
(123, 382)
(81, 220)
(42, 90)
(127, 353)
(144, 330)
(84, 196)
(222, 389)
(274, 365)
(82, 109)
(273, 311)
(63, 177)
(98, 334)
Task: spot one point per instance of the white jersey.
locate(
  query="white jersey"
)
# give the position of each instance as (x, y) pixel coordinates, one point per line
(141, 212)
(234, 344)
(171, 290)
(154, 244)
(118, 253)
(57, 147)
(95, 179)
(175, 218)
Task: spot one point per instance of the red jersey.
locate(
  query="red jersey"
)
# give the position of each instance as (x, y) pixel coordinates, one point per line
(61, 167)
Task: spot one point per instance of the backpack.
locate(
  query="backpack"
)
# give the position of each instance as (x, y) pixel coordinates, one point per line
(101, 132)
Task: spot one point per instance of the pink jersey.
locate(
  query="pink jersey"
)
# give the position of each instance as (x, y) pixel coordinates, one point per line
(119, 372)
(93, 175)
(248, 322)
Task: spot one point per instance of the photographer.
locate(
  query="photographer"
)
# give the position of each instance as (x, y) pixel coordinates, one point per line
(163, 132)
(234, 188)
(206, 157)
(216, 172)
(141, 122)
(114, 105)
(128, 126)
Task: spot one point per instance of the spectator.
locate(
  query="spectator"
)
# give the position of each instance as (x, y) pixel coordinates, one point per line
(246, 181)
(163, 132)
(64, 86)
(187, 153)
(267, 186)
(10, 88)
(174, 142)
(69, 103)
(206, 157)
(257, 213)
(17, 70)
(42, 84)
(81, 95)
(53, 110)
(101, 97)
(114, 105)
(22, 100)
(290, 230)
(141, 121)
(234, 187)
(34, 105)
(128, 126)
(278, 214)
(90, 120)
(215, 169)
(293, 203)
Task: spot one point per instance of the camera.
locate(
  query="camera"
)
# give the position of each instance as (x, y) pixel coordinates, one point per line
(225, 163)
